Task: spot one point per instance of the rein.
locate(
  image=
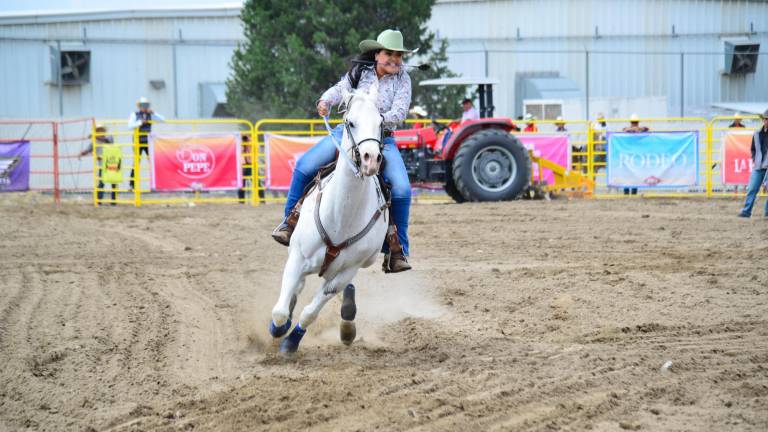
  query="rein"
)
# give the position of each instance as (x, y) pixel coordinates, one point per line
(332, 250)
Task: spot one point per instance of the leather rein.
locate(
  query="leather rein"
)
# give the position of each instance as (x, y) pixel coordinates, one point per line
(333, 250)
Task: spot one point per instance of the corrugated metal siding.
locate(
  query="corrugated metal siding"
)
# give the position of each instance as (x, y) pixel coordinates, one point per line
(125, 55)
(645, 62)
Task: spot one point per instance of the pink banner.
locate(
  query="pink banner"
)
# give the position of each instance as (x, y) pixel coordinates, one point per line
(282, 154)
(195, 161)
(553, 148)
(737, 158)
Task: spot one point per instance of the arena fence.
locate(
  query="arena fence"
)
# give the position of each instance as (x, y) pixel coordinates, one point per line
(55, 146)
(588, 141)
(130, 141)
(57, 166)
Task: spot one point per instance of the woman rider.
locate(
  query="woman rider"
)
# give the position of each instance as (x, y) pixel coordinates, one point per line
(383, 60)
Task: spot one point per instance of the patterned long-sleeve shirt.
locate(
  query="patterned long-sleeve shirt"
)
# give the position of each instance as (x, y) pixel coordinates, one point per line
(394, 94)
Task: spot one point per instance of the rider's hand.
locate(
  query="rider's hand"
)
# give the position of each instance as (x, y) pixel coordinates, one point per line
(322, 108)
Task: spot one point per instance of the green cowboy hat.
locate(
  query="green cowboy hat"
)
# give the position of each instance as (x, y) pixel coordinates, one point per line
(388, 39)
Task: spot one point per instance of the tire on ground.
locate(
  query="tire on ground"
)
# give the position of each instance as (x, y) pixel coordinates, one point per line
(450, 186)
(494, 148)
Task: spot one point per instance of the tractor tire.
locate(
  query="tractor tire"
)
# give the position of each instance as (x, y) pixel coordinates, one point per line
(451, 189)
(491, 165)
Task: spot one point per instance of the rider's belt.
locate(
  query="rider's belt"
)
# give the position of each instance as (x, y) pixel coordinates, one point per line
(387, 134)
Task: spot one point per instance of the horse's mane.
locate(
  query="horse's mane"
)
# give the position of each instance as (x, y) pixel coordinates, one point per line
(349, 96)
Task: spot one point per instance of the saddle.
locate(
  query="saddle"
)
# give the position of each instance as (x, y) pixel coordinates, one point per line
(332, 250)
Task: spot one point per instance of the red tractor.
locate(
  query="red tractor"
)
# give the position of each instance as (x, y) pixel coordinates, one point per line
(477, 160)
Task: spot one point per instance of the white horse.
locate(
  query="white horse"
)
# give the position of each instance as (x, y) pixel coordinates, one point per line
(352, 214)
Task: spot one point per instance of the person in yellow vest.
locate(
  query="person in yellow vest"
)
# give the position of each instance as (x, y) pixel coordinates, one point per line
(109, 158)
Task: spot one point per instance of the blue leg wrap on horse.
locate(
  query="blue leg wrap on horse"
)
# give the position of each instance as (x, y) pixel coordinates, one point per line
(291, 343)
(280, 331)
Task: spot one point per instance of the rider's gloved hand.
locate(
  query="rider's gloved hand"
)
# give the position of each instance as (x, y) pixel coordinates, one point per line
(322, 108)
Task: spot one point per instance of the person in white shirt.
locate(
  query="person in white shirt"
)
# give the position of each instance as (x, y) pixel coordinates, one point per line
(141, 122)
(470, 113)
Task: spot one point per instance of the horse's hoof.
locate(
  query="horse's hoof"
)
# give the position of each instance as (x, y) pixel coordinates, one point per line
(347, 332)
(279, 331)
(291, 343)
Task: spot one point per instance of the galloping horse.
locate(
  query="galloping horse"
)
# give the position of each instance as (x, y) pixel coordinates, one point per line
(341, 228)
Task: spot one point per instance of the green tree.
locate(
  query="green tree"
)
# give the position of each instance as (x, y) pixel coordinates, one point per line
(294, 50)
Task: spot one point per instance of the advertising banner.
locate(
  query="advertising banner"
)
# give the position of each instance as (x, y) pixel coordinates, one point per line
(195, 161)
(737, 158)
(654, 160)
(14, 166)
(554, 148)
(282, 154)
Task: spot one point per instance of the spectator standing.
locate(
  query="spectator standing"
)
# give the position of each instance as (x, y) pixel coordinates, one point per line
(759, 152)
(600, 127)
(634, 127)
(736, 121)
(530, 126)
(141, 122)
(111, 162)
(245, 154)
(560, 125)
(418, 113)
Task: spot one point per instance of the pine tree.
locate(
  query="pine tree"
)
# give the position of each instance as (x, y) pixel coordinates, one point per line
(294, 50)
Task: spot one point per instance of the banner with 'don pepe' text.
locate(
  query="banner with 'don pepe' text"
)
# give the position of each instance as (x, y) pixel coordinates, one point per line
(195, 161)
(653, 160)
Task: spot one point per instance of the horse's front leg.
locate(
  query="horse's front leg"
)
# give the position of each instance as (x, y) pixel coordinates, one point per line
(327, 291)
(293, 282)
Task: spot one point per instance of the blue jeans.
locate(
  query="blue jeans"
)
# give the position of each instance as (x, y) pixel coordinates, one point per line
(394, 173)
(755, 180)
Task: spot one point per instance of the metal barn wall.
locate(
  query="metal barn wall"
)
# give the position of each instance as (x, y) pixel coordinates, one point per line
(127, 51)
(633, 52)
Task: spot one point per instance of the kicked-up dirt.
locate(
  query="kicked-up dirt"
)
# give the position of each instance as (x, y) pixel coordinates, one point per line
(563, 315)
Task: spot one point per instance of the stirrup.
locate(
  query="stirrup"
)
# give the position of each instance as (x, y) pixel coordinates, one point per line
(282, 234)
(395, 263)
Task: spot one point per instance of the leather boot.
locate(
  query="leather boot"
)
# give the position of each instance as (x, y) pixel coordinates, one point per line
(394, 261)
(282, 234)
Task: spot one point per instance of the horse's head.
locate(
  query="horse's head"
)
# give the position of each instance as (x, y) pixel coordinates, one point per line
(363, 133)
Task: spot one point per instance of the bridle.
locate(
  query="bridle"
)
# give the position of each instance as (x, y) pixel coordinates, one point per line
(356, 145)
(357, 163)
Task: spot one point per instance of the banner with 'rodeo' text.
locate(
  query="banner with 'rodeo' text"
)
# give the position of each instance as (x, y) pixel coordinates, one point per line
(187, 162)
(653, 159)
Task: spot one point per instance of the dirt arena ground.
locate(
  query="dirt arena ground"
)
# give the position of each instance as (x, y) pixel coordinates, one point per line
(518, 316)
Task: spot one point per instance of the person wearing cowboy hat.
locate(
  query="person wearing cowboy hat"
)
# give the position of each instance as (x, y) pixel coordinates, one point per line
(758, 177)
(560, 124)
(141, 122)
(418, 113)
(634, 125)
(736, 121)
(530, 126)
(380, 62)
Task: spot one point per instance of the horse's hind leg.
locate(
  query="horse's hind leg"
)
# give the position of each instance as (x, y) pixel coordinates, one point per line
(293, 282)
(347, 330)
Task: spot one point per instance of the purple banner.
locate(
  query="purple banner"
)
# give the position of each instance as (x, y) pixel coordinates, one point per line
(14, 166)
